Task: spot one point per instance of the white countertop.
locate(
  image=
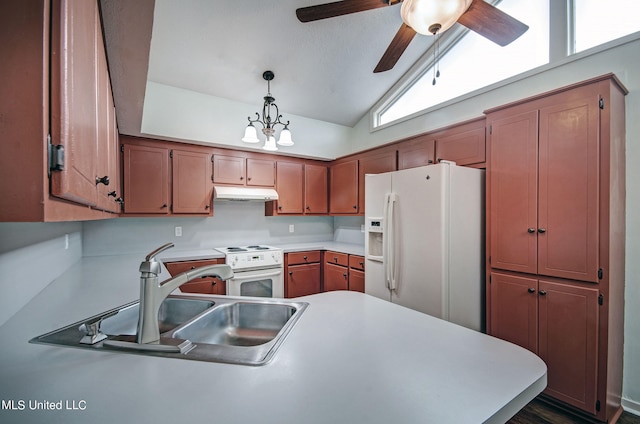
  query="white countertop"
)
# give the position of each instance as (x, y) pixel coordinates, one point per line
(174, 255)
(351, 358)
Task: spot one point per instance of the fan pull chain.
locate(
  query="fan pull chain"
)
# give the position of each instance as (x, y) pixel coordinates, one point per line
(436, 56)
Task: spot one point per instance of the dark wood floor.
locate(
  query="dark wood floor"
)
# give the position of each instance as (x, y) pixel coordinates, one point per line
(538, 412)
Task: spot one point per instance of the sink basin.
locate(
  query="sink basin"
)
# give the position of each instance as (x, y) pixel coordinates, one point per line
(208, 328)
(238, 324)
(173, 312)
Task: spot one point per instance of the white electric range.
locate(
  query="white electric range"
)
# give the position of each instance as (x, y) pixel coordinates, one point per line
(258, 270)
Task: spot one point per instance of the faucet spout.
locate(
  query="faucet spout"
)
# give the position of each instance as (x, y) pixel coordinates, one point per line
(152, 293)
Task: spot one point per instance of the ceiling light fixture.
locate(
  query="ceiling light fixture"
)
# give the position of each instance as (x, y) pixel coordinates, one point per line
(267, 122)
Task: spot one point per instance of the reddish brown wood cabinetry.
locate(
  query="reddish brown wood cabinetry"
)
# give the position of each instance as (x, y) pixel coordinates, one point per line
(205, 285)
(240, 170)
(381, 161)
(316, 186)
(303, 273)
(356, 273)
(418, 151)
(56, 98)
(302, 189)
(343, 188)
(159, 179)
(191, 182)
(463, 144)
(555, 237)
(343, 272)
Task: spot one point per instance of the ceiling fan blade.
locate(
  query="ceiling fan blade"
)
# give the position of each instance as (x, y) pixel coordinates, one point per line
(492, 23)
(339, 8)
(398, 45)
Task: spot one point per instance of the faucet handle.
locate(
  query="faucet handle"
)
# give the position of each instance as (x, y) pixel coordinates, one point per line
(150, 265)
(151, 256)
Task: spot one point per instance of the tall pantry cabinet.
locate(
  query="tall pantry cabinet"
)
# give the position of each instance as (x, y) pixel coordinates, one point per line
(555, 237)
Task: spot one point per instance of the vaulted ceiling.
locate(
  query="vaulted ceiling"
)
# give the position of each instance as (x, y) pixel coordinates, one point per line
(323, 70)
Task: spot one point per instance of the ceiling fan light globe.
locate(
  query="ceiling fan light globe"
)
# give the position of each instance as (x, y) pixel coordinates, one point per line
(285, 138)
(250, 135)
(421, 15)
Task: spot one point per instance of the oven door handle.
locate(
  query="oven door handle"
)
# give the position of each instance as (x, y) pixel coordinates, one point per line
(252, 277)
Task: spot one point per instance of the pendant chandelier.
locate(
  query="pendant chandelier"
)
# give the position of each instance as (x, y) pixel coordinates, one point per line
(268, 123)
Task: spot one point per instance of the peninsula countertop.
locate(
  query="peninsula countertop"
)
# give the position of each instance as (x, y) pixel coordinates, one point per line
(351, 358)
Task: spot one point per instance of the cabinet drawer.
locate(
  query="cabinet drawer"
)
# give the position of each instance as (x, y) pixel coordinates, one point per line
(337, 258)
(176, 268)
(356, 262)
(297, 258)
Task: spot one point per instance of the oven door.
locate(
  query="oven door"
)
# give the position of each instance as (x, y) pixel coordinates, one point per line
(257, 283)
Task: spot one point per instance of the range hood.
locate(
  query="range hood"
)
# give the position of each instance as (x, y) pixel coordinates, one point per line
(244, 193)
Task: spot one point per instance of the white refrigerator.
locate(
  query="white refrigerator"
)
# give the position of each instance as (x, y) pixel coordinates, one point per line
(424, 241)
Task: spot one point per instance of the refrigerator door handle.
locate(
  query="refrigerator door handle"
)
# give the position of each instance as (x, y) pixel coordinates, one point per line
(385, 240)
(391, 240)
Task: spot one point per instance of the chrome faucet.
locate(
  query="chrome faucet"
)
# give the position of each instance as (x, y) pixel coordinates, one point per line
(152, 293)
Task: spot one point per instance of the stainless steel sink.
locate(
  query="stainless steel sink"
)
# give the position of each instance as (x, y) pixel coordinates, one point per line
(208, 328)
(238, 324)
(173, 312)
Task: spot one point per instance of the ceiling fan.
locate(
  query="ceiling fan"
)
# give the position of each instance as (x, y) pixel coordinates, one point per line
(429, 17)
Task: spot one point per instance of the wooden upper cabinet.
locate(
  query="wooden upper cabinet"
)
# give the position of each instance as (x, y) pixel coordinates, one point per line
(316, 189)
(343, 187)
(463, 144)
(419, 151)
(514, 192)
(289, 185)
(568, 180)
(146, 179)
(191, 182)
(261, 172)
(74, 108)
(229, 169)
(377, 163)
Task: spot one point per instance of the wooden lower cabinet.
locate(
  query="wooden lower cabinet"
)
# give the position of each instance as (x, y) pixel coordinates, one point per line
(204, 285)
(343, 272)
(303, 273)
(557, 320)
(356, 273)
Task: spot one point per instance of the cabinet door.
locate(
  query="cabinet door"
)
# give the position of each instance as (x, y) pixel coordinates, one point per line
(302, 280)
(464, 149)
(289, 187)
(568, 201)
(375, 164)
(192, 187)
(356, 280)
(569, 342)
(336, 277)
(228, 169)
(418, 152)
(514, 310)
(146, 179)
(75, 27)
(315, 189)
(343, 188)
(514, 192)
(261, 172)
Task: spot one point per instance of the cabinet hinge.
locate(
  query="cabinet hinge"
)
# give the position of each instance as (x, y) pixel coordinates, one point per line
(600, 299)
(122, 148)
(56, 156)
(490, 129)
(171, 154)
(601, 103)
(598, 405)
(600, 273)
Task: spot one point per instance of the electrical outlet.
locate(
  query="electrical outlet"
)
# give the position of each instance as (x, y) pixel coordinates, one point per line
(178, 231)
(66, 242)
(291, 228)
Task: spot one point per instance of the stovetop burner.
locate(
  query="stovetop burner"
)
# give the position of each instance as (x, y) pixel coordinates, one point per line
(236, 249)
(257, 247)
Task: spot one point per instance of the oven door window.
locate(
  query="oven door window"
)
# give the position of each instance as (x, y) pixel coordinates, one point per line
(257, 288)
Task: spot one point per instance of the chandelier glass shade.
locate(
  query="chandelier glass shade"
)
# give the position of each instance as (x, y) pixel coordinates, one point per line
(268, 122)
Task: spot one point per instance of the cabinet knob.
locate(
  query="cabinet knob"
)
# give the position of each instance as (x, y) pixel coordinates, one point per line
(429, 161)
(361, 264)
(308, 208)
(242, 178)
(290, 272)
(531, 230)
(344, 275)
(304, 257)
(531, 290)
(279, 207)
(112, 193)
(193, 267)
(102, 180)
(248, 178)
(206, 207)
(335, 260)
(439, 160)
(542, 230)
(355, 206)
(542, 292)
(163, 206)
